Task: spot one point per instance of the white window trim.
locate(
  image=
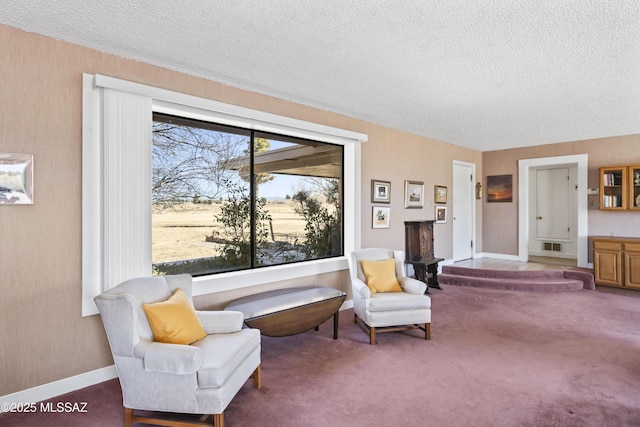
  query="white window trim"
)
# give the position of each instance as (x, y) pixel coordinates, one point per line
(100, 234)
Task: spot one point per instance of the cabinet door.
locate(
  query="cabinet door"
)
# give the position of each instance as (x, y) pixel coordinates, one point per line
(418, 237)
(426, 240)
(412, 241)
(634, 187)
(613, 188)
(607, 267)
(632, 265)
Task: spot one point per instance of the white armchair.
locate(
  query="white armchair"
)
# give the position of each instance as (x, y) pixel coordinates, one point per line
(388, 311)
(200, 378)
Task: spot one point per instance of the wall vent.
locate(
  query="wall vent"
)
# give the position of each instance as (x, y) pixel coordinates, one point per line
(554, 247)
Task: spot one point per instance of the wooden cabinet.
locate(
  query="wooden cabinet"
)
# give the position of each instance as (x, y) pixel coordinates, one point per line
(616, 261)
(620, 187)
(418, 241)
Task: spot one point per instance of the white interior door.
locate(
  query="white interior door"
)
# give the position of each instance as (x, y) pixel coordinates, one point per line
(463, 210)
(552, 204)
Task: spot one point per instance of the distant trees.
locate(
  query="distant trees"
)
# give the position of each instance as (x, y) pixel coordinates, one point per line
(323, 227)
(261, 145)
(236, 220)
(201, 162)
(190, 162)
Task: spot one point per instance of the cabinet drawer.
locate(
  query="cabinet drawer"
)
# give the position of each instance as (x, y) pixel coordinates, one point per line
(632, 247)
(611, 246)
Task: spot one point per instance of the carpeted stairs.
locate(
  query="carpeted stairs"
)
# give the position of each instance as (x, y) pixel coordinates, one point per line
(567, 279)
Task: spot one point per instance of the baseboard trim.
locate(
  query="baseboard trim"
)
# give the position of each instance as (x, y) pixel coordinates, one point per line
(56, 388)
(497, 256)
(346, 305)
(448, 261)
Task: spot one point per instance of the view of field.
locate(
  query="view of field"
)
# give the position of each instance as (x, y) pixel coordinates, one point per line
(180, 232)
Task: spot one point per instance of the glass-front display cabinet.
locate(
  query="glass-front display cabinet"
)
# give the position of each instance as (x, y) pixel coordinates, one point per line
(634, 187)
(613, 187)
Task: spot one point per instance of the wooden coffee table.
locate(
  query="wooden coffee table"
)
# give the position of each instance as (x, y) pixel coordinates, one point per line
(290, 311)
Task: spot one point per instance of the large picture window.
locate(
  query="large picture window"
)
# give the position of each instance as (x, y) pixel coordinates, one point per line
(226, 198)
(238, 197)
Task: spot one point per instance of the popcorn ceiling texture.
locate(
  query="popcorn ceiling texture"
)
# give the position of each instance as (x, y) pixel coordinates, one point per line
(481, 74)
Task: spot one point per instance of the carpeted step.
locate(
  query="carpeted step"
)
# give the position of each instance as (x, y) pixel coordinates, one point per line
(584, 274)
(527, 280)
(531, 285)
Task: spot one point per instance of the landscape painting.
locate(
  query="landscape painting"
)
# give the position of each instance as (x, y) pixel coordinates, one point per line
(16, 179)
(500, 188)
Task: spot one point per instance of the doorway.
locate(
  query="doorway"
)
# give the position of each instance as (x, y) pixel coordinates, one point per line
(577, 198)
(552, 215)
(464, 211)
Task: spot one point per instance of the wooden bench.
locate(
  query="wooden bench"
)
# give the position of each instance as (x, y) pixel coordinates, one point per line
(290, 311)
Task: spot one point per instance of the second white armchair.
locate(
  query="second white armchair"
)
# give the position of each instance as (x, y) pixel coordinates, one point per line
(379, 306)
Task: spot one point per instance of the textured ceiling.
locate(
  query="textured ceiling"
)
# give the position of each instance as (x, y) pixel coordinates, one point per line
(483, 74)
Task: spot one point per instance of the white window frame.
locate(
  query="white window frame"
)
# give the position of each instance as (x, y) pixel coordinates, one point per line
(116, 144)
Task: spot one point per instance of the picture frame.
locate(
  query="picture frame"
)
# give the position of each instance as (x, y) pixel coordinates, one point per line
(440, 194)
(413, 194)
(500, 188)
(380, 191)
(380, 217)
(441, 214)
(16, 179)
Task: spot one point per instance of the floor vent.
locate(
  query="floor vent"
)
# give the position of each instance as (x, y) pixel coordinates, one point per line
(555, 247)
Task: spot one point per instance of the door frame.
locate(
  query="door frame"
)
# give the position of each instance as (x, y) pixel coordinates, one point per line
(473, 207)
(582, 162)
(570, 244)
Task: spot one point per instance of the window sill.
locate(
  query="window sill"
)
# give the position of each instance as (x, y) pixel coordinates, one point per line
(243, 279)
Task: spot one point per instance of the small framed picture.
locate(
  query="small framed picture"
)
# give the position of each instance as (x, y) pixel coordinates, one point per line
(413, 194)
(380, 191)
(441, 214)
(380, 216)
(16, 179)
(440, 194)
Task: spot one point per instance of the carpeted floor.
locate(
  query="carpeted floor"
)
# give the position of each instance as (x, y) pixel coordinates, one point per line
(496, 358)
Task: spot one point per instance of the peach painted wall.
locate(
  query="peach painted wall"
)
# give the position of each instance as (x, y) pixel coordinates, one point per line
(396, 156)
(500, 226)
(44, 337)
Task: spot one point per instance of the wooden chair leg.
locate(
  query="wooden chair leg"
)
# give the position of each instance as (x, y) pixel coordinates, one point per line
(372, 335)
(355, 318)
(257, 377)
(128, 416)
(205, 420)
(218, 420)
(427, 331)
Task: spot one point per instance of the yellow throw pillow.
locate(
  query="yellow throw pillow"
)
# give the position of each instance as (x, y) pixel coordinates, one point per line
(381, 275)
(174, 321)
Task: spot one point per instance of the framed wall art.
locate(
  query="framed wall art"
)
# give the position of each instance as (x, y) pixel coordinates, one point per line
(380, 217)
(440, 194)
(441, 214)
(380, 191)
(16, 179)
(500, 188)
(413, 194)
